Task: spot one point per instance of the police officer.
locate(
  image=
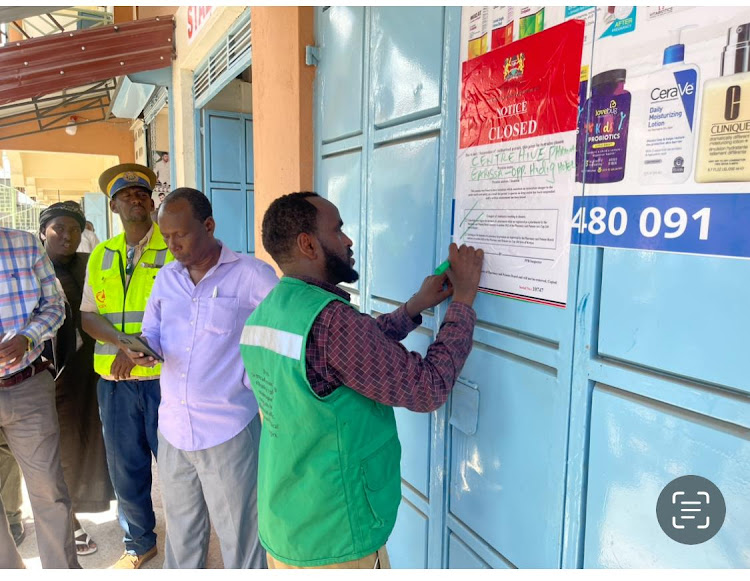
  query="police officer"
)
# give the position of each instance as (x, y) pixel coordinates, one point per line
(119, 278)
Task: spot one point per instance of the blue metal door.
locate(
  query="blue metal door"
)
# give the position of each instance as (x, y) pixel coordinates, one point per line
(566, 423)
(483, 488)
(228, 176)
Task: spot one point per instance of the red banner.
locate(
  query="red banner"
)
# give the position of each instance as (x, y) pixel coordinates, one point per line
(525, 89)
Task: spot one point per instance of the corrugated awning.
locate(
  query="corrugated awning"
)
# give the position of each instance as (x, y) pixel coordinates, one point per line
(40, 66)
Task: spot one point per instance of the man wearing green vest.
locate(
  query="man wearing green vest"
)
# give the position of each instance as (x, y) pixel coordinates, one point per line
(327, 378)
(119, 278)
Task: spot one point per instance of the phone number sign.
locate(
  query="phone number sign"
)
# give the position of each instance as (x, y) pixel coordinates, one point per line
(707, 224)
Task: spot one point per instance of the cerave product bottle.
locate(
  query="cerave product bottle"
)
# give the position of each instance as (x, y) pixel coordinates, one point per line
(724, 140)
(672, 91)
(603, 130)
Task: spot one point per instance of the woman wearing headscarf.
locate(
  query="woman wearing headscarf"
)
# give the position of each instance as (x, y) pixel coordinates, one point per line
(72, 351)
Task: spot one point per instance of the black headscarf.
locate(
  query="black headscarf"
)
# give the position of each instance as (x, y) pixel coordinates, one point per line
(70, 209)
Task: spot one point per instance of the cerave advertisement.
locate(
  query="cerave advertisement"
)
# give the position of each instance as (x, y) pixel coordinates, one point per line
(516, 160)
(662, 147)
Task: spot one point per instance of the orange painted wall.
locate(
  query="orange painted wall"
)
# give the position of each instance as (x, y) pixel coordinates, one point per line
(106, 138)
(282, 106)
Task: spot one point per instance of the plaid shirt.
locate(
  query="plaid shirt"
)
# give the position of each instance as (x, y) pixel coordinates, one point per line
(348, 348)
(30, 303)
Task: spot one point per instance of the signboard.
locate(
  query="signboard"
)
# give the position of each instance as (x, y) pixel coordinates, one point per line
(196, 18)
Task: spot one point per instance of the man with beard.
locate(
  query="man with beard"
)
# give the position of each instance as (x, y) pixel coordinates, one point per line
(327, 378)
(208, 419)
(119, 277)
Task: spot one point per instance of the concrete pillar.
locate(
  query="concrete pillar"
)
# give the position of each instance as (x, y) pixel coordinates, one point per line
(282, 106)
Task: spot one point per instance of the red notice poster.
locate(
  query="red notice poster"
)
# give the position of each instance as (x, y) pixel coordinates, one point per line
(524, 89)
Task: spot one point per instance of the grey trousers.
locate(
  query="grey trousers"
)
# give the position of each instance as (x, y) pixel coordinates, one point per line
(220, 481)
(10, 483)
(28, 419)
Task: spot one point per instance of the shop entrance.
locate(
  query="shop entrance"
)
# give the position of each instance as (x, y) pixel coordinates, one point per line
(222, 91)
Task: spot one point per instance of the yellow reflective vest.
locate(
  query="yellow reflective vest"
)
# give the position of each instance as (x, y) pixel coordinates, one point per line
(120, 303)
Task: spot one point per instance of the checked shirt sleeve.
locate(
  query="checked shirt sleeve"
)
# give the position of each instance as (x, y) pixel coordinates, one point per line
(49, 314)
(362, 354)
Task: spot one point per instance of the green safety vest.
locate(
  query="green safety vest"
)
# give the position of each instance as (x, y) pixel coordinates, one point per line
(122, 305)
(329, 479)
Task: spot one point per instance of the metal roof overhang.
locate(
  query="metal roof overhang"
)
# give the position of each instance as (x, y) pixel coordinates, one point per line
(30, 69)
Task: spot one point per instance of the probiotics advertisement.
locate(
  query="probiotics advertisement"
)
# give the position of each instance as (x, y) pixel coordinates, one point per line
(662, 137)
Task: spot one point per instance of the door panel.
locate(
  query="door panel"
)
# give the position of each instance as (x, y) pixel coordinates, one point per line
(407, 546)
(414, 429)
(649, 297)
(228, 179)
(340, 71)
(230, 213)
(340, 178)
(638, 446)
(407, 59)
(508, 471)
(225, 149)
(462, 557)
(403, 212)
(548, 324)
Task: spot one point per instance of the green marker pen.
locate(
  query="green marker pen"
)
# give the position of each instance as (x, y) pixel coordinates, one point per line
(443, 267)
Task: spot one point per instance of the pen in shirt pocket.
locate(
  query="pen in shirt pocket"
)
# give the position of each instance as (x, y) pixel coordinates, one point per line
(215, 293)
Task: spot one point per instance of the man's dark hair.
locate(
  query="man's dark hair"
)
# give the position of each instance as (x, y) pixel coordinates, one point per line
(197, 200)
(286, 218)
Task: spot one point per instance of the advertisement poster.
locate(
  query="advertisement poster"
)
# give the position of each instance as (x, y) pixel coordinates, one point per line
(662, 139)
(515, 174)
(160, 161)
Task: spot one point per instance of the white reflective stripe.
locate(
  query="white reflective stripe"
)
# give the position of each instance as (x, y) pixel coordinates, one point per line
(281, 342)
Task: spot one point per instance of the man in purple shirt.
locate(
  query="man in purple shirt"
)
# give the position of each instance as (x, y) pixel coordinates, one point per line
(209, 427)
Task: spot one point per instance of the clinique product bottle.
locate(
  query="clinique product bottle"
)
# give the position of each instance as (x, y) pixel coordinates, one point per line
(672, 92)
(603, 130)
(724, 140)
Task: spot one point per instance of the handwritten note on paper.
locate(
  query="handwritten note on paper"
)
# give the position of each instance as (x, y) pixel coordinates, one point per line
(523, 161)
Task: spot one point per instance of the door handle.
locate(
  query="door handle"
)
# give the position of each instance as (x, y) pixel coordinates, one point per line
(465, 406)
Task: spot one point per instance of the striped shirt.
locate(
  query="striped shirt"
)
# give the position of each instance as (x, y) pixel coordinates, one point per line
(30, 303)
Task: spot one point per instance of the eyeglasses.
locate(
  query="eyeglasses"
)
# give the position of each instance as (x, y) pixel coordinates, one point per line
(130, 267)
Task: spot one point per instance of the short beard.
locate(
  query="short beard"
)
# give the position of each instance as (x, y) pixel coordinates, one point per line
(338, 270)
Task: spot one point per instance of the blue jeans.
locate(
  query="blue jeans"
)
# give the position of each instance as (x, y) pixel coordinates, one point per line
(129, 411)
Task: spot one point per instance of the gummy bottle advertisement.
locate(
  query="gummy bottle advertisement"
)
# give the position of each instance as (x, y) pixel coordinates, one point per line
(661, 156)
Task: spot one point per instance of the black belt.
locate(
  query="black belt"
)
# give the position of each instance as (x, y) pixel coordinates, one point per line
(36, 367)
